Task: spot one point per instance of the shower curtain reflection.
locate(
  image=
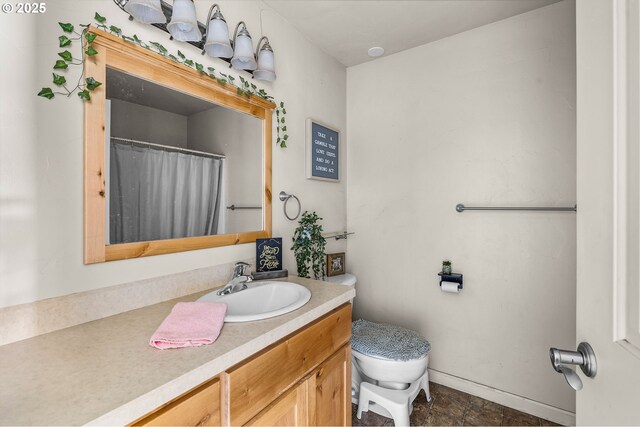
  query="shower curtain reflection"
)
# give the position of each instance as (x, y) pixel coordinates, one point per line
(157, 194)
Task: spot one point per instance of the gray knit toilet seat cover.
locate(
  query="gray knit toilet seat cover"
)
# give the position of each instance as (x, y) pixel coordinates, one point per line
(388, 341)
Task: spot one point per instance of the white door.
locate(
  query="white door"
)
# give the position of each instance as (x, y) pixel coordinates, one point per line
(608, 209)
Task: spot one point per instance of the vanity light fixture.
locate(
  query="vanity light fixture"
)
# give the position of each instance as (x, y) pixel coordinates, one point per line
(146, 11)
(266, 67)
(243, 58)
(184, 24)
(217, 36)
(185, 27)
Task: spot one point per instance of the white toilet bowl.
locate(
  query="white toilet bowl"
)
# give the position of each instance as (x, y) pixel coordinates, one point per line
(394, 374)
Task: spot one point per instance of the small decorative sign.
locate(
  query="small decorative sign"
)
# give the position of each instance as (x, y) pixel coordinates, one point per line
(323, 152)
(335, 264)
(269, 254)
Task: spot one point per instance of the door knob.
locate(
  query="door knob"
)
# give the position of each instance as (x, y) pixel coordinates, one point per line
(584, 357)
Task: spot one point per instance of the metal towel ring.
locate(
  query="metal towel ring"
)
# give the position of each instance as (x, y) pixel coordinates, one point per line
(285, 198)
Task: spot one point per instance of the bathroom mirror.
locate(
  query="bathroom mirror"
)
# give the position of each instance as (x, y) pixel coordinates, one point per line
(174, 160)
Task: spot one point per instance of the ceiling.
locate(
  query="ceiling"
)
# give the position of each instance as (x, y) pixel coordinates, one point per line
(347, 29)
(129, 88)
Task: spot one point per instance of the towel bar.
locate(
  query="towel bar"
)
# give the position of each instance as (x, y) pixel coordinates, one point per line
(234, 207)
(461, 208)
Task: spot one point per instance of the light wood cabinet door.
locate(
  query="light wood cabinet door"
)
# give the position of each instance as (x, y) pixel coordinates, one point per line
(291, 409)
(333, 390)
(199, 407)
(263, 378)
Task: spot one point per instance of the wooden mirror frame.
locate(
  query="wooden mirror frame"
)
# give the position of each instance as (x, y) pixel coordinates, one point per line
(132, 59)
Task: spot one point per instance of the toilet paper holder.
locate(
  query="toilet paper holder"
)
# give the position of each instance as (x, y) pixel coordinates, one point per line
(453, 277)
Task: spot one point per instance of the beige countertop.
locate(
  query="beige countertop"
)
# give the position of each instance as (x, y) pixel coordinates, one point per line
(105, 373)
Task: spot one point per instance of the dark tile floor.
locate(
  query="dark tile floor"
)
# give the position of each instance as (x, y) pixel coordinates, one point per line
(449, 407)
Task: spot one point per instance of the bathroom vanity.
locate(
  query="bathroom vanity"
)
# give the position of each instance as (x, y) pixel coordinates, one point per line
(292, 369)
(303, 379)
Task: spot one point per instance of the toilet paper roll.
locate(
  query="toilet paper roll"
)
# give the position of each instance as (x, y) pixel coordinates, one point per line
(451, 287)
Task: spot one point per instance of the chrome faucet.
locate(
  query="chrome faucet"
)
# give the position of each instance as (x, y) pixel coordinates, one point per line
(239, 279)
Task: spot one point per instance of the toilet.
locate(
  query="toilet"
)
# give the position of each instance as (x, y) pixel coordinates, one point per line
(342, 279)
(389, 366)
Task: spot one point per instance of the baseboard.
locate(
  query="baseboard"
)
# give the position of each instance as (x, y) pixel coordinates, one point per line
(504, 398)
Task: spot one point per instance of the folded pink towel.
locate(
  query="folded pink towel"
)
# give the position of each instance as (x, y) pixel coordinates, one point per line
(190, 324)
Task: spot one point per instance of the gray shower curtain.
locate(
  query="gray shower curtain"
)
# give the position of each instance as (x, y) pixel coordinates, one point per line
(157, 194)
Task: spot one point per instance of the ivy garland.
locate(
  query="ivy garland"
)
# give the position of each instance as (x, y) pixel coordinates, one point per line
(82, 87)
(85, 86)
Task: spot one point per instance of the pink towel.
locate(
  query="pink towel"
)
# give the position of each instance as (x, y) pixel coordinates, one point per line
(190, 324)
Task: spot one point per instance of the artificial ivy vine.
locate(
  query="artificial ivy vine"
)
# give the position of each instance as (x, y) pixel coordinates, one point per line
(86, 86)
(281, 125)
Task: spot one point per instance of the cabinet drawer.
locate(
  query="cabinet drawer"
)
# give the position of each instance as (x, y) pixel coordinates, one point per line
(260, 380)
(200, 407)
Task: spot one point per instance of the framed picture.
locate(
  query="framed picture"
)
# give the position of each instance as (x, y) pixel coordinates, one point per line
(336, 264)
(269, 254)
(323, 152)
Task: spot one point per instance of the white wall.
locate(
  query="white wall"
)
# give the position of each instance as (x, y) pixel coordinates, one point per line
(133, 121)
(238, 136)
(486, 117)
(41, 151)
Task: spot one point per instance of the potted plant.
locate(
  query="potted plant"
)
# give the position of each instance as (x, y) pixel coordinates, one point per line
(308, 246)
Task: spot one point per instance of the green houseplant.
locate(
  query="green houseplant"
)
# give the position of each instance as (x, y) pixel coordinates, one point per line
(308, 246)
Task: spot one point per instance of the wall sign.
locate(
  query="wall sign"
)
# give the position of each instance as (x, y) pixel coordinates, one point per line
(269, 254)
(323, 152)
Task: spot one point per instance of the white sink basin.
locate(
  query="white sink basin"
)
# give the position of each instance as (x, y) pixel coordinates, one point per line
(261, 300)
